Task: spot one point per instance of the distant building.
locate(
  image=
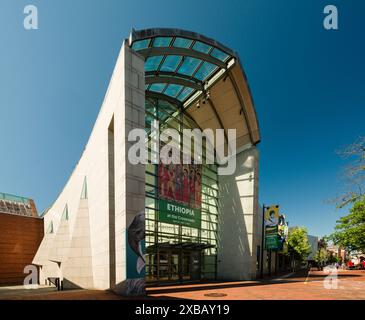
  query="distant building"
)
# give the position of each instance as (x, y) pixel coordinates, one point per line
(313, 240)
(337, 252)
(21, 232)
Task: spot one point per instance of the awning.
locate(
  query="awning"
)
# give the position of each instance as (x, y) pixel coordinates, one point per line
(183, 245)
(200, 75)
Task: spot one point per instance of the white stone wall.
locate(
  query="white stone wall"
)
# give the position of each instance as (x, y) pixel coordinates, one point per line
(238, 225)
(89, 250)
(129, 179)
(88, 222)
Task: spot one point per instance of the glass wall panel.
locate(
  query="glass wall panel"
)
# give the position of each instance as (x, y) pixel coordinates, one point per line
(162, 237)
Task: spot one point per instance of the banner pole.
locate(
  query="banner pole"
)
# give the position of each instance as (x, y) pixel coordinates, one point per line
(276, 262)
(262, 242)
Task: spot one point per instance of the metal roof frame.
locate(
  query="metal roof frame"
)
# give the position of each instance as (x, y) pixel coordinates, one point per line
(197, 77)
(206, 65)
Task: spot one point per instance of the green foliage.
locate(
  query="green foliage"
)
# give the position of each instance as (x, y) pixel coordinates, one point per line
(321, 256)
(350, 230)
(354, 173)
(298, 244)
(333, 259)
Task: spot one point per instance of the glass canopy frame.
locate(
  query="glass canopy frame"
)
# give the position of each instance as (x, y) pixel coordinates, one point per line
(179, 64)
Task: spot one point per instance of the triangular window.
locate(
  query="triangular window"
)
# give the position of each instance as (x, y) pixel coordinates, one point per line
(84, 190)
(65, 213)
(50, 228)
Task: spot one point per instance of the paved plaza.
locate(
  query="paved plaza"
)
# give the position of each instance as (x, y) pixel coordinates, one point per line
(315, 285)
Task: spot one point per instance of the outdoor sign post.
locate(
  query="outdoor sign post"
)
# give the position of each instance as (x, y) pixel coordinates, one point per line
(271, 223)
(276, 262)
(262, 242)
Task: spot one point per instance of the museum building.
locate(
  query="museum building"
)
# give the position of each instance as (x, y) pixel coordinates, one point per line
(121, 226)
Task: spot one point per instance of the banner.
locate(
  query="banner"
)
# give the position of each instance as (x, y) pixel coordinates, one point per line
(135, 258)
(271, 238)
(283, 233)
(272, 241)
(180, 183)
(180, 187)
(283, 229)
(272, 216)
(175, 213)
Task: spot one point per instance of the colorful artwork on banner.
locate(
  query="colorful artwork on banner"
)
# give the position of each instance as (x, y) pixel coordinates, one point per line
(272, 216)
(180, 191)
(283, 233)
(181, 184)
(271, 228)
(135, 254)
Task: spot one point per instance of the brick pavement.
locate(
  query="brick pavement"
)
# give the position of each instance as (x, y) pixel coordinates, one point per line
(301, 286)
(350, 285)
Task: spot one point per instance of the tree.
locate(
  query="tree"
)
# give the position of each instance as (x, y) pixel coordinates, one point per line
(321, 256)
(354, 174)
(298, 244)
(350, 230)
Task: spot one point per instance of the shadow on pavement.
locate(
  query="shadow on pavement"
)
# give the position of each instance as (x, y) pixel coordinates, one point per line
(295, 278)
(215, 286)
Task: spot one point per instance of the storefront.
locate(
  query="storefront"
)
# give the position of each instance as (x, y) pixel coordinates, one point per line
(184, 262)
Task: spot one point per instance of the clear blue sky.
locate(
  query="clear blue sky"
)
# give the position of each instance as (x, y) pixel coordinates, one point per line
(308, 85)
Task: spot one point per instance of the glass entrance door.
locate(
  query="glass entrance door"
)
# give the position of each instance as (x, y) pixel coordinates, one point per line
(174, 266)
(186, 262)
(191, 265)
(168, 266)
(195, 265)
(163, 266)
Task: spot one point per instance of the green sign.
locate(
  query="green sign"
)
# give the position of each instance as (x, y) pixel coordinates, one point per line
(176, 213)
(272, 238)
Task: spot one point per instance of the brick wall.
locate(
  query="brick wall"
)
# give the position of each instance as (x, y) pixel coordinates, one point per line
(20, 238)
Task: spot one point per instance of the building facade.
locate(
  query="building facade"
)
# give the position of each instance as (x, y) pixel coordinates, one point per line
(121, 224)
(337, 252)
(313, 241)
(21, 232)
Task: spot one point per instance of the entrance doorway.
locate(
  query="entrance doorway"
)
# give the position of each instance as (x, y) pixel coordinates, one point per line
(169, 265)
(181, 265)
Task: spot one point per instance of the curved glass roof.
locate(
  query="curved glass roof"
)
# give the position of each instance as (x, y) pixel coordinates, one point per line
(179, 63)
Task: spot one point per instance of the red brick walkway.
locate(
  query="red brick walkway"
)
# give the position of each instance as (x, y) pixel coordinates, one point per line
(315, 286)
(351, 285)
